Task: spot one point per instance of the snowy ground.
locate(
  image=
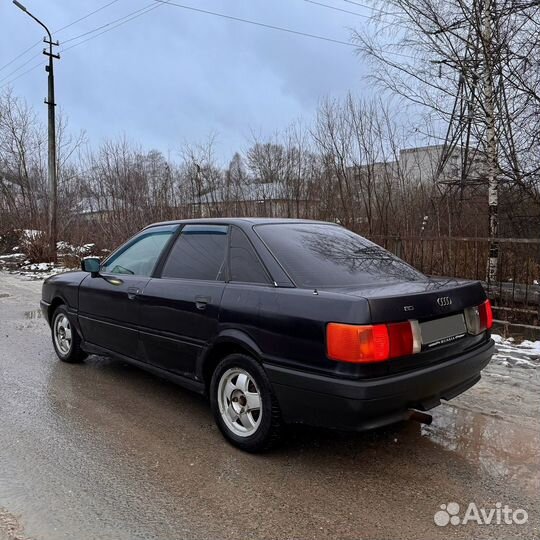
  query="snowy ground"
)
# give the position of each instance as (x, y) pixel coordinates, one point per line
(17, 262)
(516, 355)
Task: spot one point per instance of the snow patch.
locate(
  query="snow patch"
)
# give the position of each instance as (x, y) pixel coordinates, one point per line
(38, 271)
(31, 234)
(64, 248)
(524, 355)
(12, 256)
(37, 267)
(526, 344)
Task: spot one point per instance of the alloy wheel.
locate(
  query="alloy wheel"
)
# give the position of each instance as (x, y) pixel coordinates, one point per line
(240, 402)
(62, 334)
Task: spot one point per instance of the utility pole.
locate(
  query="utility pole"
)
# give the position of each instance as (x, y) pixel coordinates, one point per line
(52, 170)
(491, 141)
(199, 190)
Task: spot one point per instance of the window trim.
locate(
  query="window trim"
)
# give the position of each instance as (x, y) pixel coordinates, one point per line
(270, 283)
(165, 253)
(158, 272)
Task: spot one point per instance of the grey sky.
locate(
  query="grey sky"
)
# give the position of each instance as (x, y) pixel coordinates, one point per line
(173, 75)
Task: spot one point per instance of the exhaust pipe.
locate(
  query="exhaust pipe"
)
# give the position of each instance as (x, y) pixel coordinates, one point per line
(419, 416)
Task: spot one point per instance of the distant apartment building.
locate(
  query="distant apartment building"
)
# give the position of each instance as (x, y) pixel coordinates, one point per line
(423, 164)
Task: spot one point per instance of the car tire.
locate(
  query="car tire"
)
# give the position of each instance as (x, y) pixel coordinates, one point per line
(244, 405)
(65, 338)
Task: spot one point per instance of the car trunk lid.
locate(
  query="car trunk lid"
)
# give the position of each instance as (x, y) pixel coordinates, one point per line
(396, 301)
(437, 305)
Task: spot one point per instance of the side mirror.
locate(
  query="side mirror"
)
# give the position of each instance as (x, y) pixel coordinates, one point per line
(91, 264)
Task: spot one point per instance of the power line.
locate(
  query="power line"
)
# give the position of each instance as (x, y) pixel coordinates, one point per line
(152, 6)
(338, 9)
(21, 74)
(256, 23)
(369, 17)
(20, 67)
(55, 32)
(19, 55)
(353, 12)
(369, 7)
(149, 8)
(158, 3)
(271, 26)
(122, 20)
(86, 16)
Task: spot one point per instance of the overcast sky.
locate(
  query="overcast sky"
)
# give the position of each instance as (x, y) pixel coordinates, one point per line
(173, 75)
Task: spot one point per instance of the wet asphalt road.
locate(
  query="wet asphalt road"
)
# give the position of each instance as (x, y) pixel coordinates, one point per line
(103, 450)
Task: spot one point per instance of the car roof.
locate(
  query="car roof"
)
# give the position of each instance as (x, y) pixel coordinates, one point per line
(239, 221)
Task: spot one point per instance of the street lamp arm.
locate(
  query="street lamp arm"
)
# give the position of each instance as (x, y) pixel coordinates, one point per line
(23, 8)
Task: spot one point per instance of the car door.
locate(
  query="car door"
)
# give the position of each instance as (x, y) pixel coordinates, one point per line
(109, 310)
(180, 306)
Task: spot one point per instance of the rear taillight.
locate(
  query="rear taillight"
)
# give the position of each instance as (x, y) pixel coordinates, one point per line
(486, 315)
(404, 338)
(479, 318)
(371, 343)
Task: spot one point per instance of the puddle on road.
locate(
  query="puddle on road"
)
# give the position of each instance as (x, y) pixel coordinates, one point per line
(34, 314)
(501, 448)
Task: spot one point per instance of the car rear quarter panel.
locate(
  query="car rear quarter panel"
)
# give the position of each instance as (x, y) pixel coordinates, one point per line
(289, 325)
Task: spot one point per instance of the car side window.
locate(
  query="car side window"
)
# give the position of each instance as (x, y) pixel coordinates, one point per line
(244, 264)
(198, 253)
(140, 257)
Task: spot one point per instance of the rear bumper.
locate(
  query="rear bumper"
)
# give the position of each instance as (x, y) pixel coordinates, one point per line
(318, 400)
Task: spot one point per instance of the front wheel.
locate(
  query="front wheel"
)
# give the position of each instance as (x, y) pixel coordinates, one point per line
(244, 405)
(66, 340)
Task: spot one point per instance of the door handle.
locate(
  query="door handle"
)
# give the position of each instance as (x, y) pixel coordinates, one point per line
(132, 292)
(202, 301)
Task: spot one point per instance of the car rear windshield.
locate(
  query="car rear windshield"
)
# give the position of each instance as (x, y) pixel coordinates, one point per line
(319, 255)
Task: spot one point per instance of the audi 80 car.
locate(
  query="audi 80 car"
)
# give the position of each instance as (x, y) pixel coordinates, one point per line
(277, 322)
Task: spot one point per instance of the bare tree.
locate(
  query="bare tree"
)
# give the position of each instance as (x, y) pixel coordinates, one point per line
(467, 63)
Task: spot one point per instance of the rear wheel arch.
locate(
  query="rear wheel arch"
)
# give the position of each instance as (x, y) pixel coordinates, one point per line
(226, 344)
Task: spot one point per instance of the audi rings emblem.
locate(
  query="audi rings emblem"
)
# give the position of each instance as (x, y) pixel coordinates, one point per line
(444, 301)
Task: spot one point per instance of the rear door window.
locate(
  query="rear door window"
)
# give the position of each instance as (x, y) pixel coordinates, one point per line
(325, 255)
(198, 253)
